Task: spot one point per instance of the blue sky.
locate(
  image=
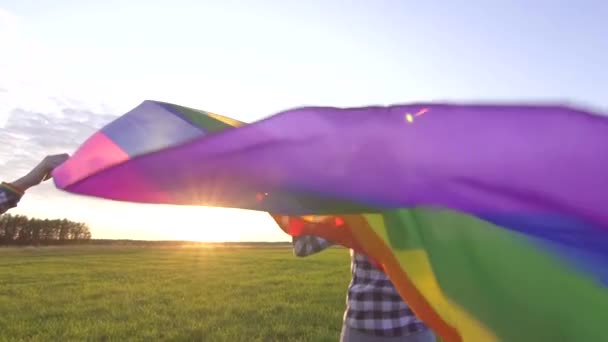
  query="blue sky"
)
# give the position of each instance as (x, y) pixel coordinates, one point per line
(78, 64)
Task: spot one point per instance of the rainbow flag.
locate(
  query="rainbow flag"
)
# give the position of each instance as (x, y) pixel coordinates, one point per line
(491, 221)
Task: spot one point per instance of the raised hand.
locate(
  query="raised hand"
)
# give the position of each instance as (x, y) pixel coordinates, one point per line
(41, 172)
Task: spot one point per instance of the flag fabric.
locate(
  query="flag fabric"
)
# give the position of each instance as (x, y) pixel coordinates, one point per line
(491, 220)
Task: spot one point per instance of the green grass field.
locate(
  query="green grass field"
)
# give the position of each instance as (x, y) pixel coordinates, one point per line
(172, 294)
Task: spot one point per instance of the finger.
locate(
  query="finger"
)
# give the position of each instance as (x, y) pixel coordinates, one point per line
(57, 160)
(63, 156)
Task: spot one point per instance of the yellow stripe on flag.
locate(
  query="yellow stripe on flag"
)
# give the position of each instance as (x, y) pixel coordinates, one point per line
(417, 267)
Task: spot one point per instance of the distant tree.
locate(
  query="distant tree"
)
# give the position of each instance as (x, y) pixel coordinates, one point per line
(21, 230)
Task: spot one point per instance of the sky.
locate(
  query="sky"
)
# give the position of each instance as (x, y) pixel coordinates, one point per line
(67, 68)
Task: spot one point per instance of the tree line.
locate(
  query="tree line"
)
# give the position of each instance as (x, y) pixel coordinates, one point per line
(22, 230)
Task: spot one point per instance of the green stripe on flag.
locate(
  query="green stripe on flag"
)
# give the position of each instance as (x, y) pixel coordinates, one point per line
(505, 279)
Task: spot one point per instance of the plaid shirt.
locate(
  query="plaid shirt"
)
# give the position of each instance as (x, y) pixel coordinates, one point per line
(372, 303)
(9, 197)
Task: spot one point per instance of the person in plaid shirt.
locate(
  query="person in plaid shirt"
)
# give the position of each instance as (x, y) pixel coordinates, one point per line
(11, 193)
(374, 309)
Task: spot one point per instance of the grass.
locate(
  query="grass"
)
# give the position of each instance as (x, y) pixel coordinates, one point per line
(170, 294)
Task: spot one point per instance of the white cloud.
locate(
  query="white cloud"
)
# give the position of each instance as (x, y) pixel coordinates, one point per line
(37, 118)
(8, 19)
(37, 125)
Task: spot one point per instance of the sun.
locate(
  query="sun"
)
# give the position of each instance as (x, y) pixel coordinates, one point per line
(208, 224)
(205, 224)
(134, 221)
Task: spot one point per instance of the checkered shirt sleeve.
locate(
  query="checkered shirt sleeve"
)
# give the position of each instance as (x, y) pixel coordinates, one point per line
(9, 197)
(307, 244)
(373, 304)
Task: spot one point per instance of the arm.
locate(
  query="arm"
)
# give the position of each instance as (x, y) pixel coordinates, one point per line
(9, 197)
(307, 245)
(11, 193)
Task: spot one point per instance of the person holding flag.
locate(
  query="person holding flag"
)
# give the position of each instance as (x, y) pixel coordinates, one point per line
(11, 193)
